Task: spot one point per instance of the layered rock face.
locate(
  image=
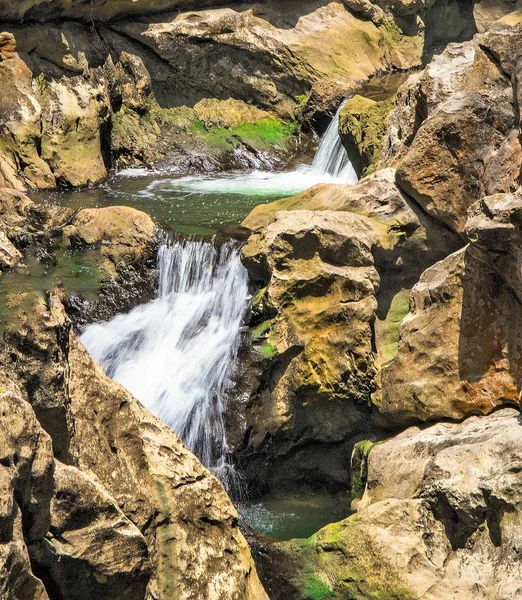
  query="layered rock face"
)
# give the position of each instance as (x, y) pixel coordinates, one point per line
(332, 264)
(459, 482)
(207, 89)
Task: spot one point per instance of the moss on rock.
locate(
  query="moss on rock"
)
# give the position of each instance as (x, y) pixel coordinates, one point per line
(362, 126)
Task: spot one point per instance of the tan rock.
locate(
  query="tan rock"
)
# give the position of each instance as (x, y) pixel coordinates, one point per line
(9, 255)
(271, 64)
(96, 551)
(190, 526)
(440, 519)
(465, 123)
(125, 235)
(362, 126)
(458, 348)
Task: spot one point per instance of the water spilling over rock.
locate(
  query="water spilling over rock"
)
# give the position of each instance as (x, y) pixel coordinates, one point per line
(332, 158)
(175, 353)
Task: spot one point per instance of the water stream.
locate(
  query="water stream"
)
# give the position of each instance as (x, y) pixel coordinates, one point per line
(175, 353)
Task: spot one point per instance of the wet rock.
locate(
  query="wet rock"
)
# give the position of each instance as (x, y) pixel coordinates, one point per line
(439, 519)
(125, 236)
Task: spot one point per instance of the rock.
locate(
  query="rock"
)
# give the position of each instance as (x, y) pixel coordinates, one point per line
(7, 45)
(125, 236)
(26, 488)
(92, 549)
(494, 231)
(330, 301)
(448, 132)
(9, 255)
(362, 126)
(254, 57)
(439, 519)
(496, 14)
(369, 10)
(459, 306)
(318, 344)
(190, 526)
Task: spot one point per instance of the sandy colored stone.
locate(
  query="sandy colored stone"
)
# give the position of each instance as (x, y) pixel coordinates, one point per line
(93, 550)
(440, 519)
(125, 235)
(464, 103)
(190, 526)
(459, 346)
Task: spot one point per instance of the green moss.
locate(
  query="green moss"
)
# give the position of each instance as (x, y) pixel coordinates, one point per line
(260, 331)
(362, 126)
(387, 330)
(267, 350)
(270, 131)
(359, 473)
(315, 589)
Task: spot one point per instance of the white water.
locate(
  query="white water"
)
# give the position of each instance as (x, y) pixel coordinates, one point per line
(175, 353)
(330, 165)
(331, 158)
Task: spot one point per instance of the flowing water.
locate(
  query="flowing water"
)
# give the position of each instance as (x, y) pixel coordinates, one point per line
(204, 204)
(331, 158)
(175, 353)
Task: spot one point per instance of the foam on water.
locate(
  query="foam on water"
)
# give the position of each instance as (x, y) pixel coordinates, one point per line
(175, 353)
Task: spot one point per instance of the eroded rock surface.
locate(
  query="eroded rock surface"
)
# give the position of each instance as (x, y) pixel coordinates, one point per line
(137, 481)
(454, 133)
(332, 265)
(460, 482)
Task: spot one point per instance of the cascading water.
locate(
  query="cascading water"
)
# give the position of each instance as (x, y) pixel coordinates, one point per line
(331, 158)
(175, 353)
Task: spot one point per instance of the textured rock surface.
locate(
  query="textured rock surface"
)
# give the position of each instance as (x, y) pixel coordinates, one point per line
(459, 347)
(82, 99)
(330, 301)
(460, 482)
(362, 125)
(158, 487)
(448, 132)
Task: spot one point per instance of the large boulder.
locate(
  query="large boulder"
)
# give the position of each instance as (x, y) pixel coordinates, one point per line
(332, 265)
(271, 57)
(454, 129)
(190, 526)
(440, 519)
(458, 346)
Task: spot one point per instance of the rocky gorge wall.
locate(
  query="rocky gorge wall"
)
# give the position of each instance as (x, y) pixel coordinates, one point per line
(335, 266)
(384, 350)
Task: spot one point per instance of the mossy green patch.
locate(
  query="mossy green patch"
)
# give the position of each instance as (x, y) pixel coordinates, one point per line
(260, 331)
(268, 132)
(359, 471)
(362, 125)
(387, 330)
(315, 589)
(267, 350)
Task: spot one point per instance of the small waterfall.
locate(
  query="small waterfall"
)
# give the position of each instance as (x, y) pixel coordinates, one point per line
(332, 158)
(175, 353)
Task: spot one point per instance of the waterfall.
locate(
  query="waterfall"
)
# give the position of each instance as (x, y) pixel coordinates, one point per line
(332, 158)
(175, 353)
